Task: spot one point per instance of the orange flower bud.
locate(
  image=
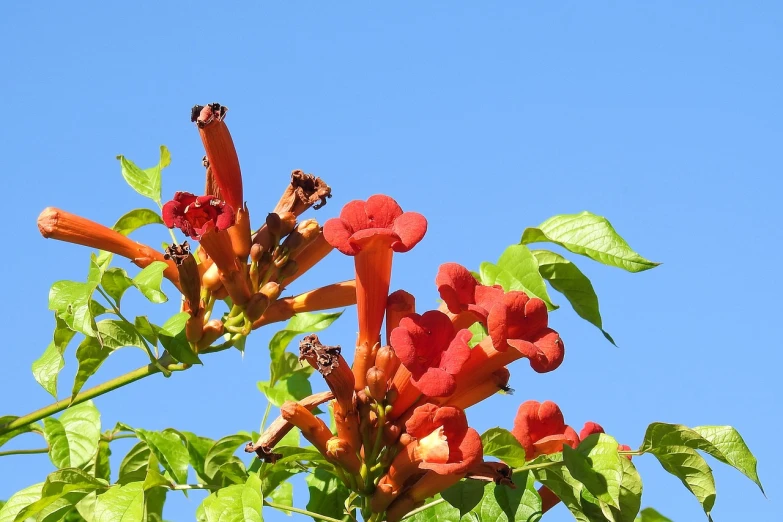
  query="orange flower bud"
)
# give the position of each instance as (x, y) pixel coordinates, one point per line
(387, 360)
(256, 251)
(304, 233)
(211, 278)
(324, 298)
(256, 306)
(308, 257)
(240, 234)
(400, 304)
(221, 154)
(194, 327)
(233, 274)
(211, 333)
(497, 381)
(271, 290)
(57, 224)
(376, 383)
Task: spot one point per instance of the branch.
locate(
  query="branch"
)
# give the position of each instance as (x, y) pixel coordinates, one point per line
(424, 508)
(282, 507)
(24, 452)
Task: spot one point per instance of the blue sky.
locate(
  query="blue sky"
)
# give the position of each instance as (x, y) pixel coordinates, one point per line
(487, 117)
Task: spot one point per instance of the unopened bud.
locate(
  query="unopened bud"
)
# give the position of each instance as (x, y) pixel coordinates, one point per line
(240, 234)
(194, 327)
(392, 395)
(221, 293)
(288, 270)
(386, 359)
(211, 278)
(271, 290)
(263, 238)
(376, 383)
(336, 447)
(256, 251)
(280, 225)
(391, 432)
(212, 332)
(405, 439)
(256, 306)
(302, 235)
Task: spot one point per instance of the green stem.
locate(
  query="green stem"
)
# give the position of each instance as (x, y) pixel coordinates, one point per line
(282, 507)
(153, 356)
(181, 487)
(424, 508)
(118, 436)
(113, 384)
(266, 414)
(24, 452)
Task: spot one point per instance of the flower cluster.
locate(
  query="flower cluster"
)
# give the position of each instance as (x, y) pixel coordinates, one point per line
(401, 430)
(232, 260)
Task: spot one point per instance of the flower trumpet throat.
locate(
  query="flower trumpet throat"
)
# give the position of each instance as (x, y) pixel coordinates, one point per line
(54, 223)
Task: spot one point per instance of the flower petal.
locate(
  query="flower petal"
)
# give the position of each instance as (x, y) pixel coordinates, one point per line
(410, 227)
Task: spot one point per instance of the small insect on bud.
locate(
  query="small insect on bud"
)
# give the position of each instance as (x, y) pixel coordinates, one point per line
(376, 383)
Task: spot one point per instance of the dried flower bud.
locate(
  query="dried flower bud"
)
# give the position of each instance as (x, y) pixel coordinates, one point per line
(189, 277)
(376, 383)
(304, 191)
(335, 370)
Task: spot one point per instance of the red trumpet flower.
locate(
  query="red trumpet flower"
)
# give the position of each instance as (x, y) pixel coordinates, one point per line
(195, 215)
(541, 429)
(371, 231)
(429, 348)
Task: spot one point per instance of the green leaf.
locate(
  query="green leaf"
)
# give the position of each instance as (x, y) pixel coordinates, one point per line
(134, 464)
(154, 499)
(237, 503)
(505, 504)
(172, 337)
(502, 444)
(726, 445)
(293, 387)
(136, 219)
(153, 478)
(99, 466)
(73, 437)
(221, 454)
(62, 490)
(589, 235)
(559, 480)
(47, 367)
(327, 494)
(90, 356)
(198, 447)
(650, 515)
(567, 279)
(283, 494)
(691, 468)
(115, 333)
(71, 301)
(630, 491)
(146, 182)
(443, 512)
(491, 274)
(303, 323)
(115, 281)
(7, 419)
(146, 329)
(464, 495)
(19, 501)
(597, 464)
(148, 282)
(479, 333)
(121, 504)
(522, 266)
(169, 450)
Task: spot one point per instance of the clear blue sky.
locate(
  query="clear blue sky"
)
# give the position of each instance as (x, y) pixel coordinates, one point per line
(487, 117)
